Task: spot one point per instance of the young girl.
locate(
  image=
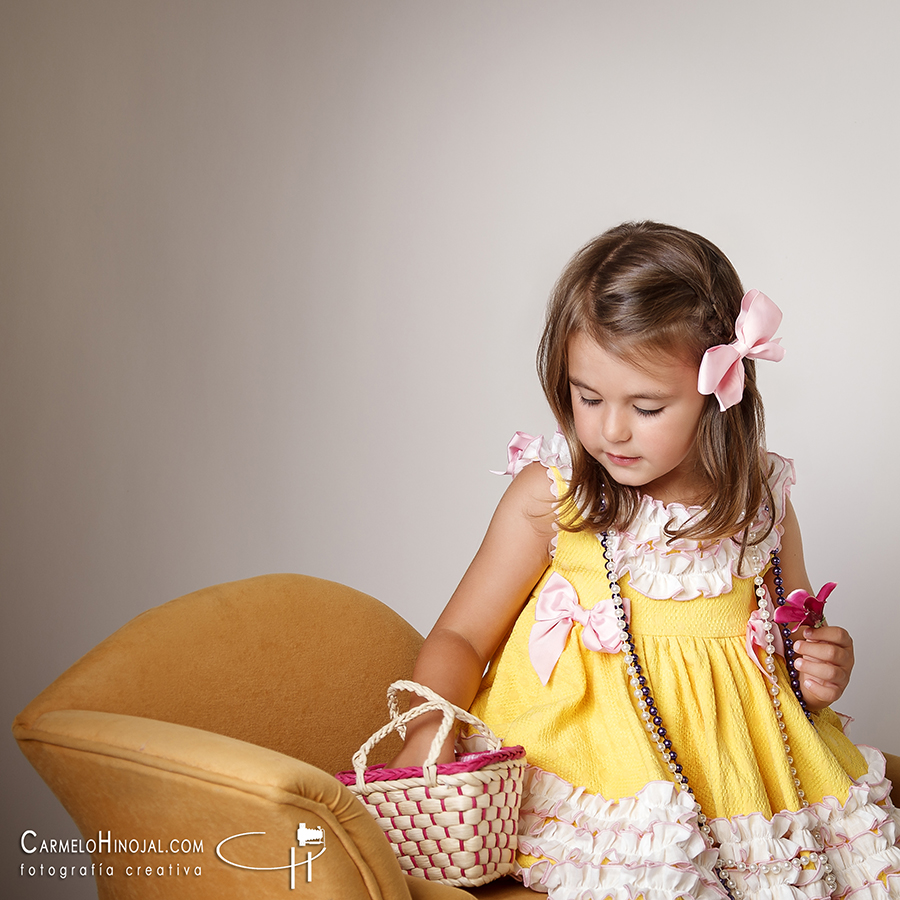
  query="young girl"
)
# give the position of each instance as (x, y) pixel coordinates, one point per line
(679, 741)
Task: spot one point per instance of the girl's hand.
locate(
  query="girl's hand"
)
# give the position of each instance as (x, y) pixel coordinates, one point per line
(419, 736)
(824, 660)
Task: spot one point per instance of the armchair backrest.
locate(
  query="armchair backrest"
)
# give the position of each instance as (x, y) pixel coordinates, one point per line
(293, 663)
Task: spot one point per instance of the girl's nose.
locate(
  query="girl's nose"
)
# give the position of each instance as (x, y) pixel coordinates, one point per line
(615, 427)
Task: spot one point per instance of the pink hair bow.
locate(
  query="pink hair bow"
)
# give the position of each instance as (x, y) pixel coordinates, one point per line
(804, 609)
(722, 369)
(556, 612)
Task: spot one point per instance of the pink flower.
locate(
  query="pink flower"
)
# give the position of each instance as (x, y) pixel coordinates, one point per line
(804, 609)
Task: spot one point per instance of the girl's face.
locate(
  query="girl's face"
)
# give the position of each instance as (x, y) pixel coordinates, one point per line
(639, 422)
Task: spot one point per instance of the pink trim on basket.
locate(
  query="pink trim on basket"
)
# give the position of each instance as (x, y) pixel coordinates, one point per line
(469, 762)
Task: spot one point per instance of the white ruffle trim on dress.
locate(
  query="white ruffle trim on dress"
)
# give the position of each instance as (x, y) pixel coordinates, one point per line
(524, 449)
(680, 570)
(685, 569)
(650, 845)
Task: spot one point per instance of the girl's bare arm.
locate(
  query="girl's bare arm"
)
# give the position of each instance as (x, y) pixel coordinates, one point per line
(511, 559)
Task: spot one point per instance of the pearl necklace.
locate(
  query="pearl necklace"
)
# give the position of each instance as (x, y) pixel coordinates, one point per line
(659, 736)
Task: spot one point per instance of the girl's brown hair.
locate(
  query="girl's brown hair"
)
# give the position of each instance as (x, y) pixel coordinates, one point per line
(642, 288)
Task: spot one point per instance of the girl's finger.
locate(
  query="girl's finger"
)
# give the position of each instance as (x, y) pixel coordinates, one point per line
(816, 690)
(823, 672)
(826, 652)
(831, 634)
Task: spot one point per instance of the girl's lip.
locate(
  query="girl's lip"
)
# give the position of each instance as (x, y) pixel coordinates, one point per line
(622, 460)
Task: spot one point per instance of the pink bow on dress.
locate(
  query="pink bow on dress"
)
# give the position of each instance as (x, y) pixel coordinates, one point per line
(722, 368)
(803, 608)
(756, 639)
(557, 610)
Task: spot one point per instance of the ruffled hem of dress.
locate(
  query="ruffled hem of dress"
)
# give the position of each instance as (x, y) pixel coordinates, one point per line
(650, 845)
(680, 570)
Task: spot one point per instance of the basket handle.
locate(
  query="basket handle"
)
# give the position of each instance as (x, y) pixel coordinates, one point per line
(433, 702)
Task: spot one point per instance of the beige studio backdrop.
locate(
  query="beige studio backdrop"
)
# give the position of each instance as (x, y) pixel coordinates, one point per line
(272, 277)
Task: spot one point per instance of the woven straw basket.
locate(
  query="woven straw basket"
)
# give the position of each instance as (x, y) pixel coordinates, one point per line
(457, 822)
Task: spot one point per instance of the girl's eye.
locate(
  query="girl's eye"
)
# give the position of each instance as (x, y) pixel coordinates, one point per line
(648, 412)
(586, 402)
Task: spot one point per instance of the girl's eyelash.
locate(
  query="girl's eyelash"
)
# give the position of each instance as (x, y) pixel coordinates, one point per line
(641, 412)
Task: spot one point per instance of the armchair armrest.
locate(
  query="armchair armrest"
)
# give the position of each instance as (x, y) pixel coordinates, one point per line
(156, 792)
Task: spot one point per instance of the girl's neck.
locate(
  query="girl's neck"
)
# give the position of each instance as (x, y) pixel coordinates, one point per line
(687, 489)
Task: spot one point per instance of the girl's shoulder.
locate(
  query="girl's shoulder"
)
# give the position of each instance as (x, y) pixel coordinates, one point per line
(781, 477)
(540, 469)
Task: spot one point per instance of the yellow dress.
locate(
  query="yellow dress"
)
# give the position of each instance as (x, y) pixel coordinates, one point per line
(601, 815)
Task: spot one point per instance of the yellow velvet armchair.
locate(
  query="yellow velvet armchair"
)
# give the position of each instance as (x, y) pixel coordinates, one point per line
(224, 714)
(220, 717)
